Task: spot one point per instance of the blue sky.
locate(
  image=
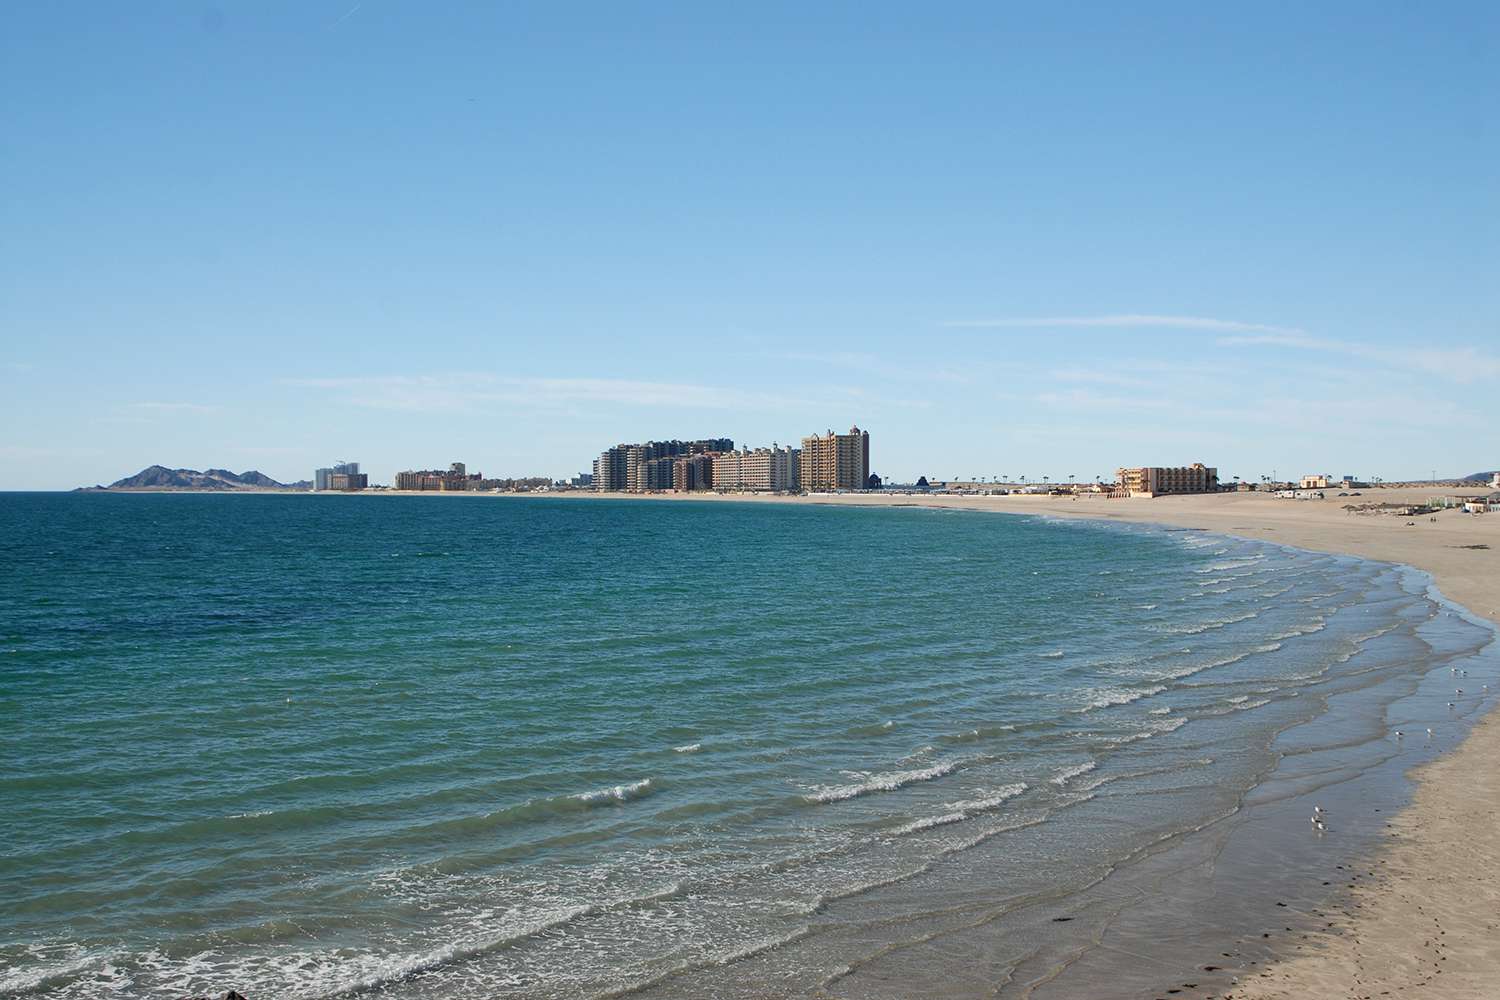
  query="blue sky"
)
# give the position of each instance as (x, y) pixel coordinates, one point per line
(1006, 238)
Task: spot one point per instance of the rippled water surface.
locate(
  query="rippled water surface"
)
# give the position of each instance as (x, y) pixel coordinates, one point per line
(304, 746)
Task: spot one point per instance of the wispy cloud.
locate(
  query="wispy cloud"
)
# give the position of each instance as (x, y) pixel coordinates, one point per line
(1125, 320)
(1463, 364)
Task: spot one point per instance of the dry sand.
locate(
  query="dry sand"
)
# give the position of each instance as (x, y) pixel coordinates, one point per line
(1428, 924)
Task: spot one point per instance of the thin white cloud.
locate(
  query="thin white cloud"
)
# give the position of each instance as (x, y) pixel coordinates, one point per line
(1464, 364)
(1124, 320)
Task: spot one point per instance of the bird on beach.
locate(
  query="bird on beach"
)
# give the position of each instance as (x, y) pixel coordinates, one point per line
(1318, 825)
(1458, 690)
(1450, 704)
(1399, 734)
(1319, 810)
(1429, 732)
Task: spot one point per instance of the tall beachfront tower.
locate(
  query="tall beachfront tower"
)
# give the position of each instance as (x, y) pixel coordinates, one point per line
(835, 461)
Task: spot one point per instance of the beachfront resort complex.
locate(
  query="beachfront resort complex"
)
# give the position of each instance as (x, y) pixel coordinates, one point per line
(825, 463)
(1151, 481)
(828, 463)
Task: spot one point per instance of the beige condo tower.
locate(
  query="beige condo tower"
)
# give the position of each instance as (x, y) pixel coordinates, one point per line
(836, 461)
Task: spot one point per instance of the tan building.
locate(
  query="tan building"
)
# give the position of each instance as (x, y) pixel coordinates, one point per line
(768, 470)
(694, 472)
(1314, 482)
(1155, 481)
(835, 461)
(434, 480)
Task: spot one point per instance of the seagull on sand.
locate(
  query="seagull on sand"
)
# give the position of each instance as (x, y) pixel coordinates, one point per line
(1429, 732)
(1399, 734)
(1318, 825)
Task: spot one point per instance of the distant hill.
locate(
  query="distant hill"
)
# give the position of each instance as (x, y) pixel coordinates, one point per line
(1478, 477)
(159, 477)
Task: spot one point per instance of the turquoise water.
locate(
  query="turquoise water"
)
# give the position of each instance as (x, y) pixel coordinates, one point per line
(304, 746)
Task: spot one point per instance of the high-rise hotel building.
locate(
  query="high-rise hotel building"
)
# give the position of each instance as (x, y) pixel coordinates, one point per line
(835, 461)
(640, 468)
(693, 472)
(771, 470)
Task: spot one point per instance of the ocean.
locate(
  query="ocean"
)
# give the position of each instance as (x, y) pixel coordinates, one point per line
(421, 747)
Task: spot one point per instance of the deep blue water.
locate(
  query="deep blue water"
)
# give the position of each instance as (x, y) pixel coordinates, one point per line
(302, 746)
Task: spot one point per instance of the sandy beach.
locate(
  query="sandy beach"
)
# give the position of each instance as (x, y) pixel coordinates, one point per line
(1428, 922)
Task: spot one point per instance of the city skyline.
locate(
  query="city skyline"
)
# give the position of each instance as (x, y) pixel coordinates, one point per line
(1039, 242)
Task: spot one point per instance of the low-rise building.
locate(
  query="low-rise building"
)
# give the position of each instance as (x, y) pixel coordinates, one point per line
(1154, 481)
(1483, 505)
(1315, 482)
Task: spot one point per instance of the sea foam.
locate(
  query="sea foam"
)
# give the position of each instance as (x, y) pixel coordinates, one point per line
(888, 781)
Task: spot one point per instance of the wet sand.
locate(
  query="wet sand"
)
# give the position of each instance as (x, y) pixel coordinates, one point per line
(1422, 916)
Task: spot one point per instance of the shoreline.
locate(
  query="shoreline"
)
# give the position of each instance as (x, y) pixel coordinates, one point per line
(1431, 919)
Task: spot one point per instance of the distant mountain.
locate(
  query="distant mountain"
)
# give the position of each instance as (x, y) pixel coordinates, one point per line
(1478, 477)
(159, 477)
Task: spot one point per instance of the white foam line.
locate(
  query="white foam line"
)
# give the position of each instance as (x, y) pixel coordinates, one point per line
(1069, 773)
(1107, 697)
(617, 793)
(963, 810)
(886, 782)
